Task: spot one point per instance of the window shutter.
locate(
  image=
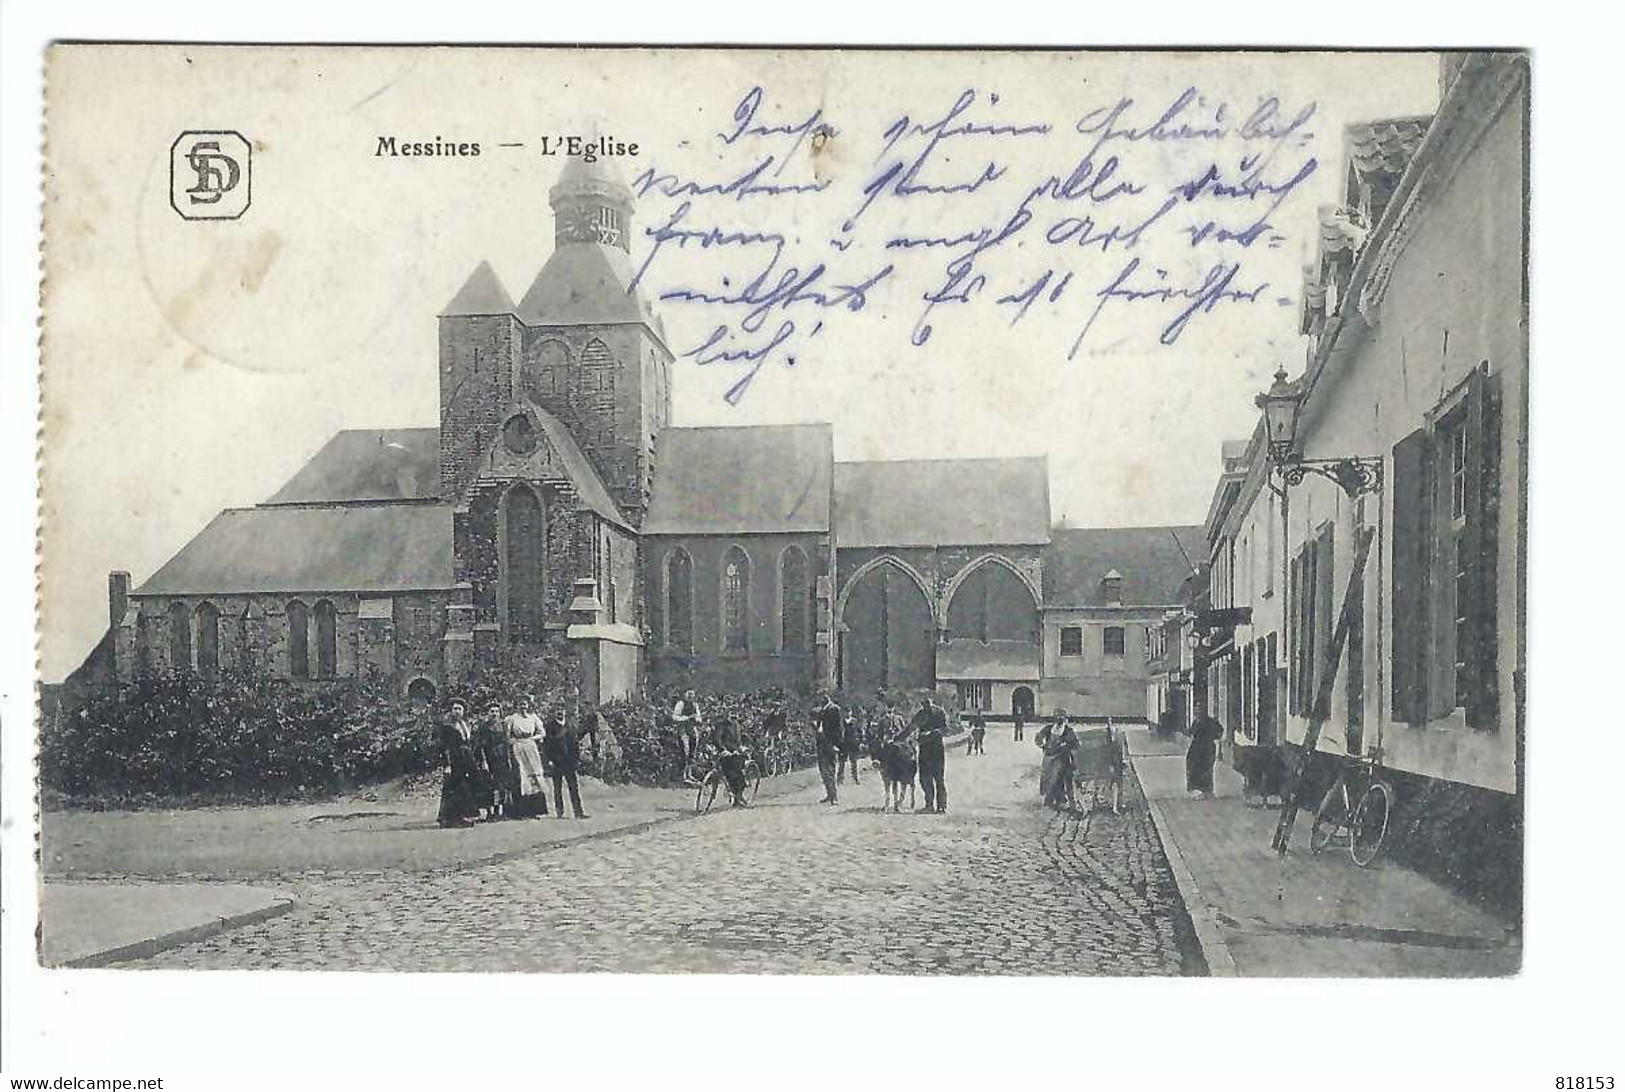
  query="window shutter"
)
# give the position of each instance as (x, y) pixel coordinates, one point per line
(1483, 503)
(1441, 646)
(1325, 608)
(1294, 633)
(1354, 675)
(1304, 679)
(1412, 537)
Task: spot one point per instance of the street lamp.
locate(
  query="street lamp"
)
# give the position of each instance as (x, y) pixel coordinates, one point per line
(1282, 404)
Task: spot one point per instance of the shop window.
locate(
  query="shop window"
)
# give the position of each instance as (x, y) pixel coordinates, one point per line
(977, 696)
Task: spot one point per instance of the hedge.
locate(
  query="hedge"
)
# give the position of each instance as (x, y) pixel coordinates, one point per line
(252, 739)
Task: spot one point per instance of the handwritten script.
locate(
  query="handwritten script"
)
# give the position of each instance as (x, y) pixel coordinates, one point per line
(1125, 222)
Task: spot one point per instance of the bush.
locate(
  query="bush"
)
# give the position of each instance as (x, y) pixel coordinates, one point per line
(234, 737)
(243, 738)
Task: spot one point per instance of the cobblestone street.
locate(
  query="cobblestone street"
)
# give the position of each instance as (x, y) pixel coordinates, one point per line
(999, 885)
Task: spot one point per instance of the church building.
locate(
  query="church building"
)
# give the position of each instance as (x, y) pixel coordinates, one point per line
(556, 501)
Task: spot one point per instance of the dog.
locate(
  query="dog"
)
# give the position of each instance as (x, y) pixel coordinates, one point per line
(898, 771)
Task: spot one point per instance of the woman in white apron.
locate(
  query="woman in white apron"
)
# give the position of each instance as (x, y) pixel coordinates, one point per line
(524, 730)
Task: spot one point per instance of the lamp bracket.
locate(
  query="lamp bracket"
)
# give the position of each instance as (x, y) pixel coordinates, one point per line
(1356, 476)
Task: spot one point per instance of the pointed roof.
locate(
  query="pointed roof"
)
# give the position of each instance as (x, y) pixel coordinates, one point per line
(587, 283)
(481, 294)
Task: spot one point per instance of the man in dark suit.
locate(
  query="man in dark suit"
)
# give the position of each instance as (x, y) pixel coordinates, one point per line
(933, 725)
(831, 736)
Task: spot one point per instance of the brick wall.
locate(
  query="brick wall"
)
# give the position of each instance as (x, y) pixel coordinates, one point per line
(596, 379)
(254, 634)
(478, 357)
(478, 536)
(708, 664)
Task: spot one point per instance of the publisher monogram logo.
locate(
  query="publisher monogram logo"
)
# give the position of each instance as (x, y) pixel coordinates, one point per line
(210, 174)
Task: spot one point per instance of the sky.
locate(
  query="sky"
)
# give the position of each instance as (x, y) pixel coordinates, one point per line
(195, 366)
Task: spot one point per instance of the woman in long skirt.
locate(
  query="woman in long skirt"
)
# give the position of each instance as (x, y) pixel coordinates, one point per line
(1060, 744)
(1199, 757)
(493, 746)
(462, 788)
(529, 792)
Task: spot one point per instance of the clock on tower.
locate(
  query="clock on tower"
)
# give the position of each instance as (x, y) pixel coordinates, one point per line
(591, 205)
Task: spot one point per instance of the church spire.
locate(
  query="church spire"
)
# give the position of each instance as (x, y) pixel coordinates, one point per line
(481, 294)
(591, 204)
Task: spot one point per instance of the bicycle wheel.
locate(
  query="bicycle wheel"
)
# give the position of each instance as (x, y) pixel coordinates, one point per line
(1331, 817)
(706, 794)
(1370, 823)
(753, 780)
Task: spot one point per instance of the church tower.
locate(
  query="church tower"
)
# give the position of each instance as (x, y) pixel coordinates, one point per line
(549, 414)
(479, 352)
(593, 352)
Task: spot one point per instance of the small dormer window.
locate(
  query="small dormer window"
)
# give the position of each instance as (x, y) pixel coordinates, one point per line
(1111, 588)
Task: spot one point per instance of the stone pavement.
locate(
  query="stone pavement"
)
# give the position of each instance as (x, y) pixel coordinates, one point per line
(386, 829)
(1258, 913)
(91, 925)
(998, 885)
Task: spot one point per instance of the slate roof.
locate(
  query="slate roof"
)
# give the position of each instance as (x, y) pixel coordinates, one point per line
(942, 502)
(368, 464)
(738, 480)
(586, 283)
(481, 294)
(990, 660)
(1149, 558)
(352, 548)
(1385, 146)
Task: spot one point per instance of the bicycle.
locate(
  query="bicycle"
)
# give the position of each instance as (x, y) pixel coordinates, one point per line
(1361, 817)
(712, 781)
(778, 759)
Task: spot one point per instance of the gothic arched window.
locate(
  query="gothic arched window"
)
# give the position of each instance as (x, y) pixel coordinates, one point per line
(735, 599)
(298, 640)
(180, 638)
(680, 600)
(794, 602)
(327, 640)
(208, 640)
(526, 565)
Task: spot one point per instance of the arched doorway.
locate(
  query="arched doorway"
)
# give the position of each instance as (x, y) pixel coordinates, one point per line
(889, 634)
(524, 564)
(1021, 702)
